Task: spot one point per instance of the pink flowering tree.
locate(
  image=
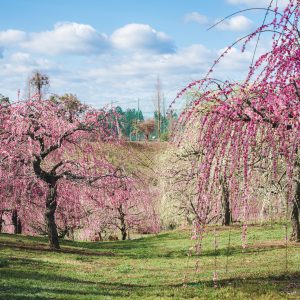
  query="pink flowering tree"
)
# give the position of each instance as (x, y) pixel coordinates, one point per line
(131, 204)
(126, 208)
(242, 125)
(54, 162)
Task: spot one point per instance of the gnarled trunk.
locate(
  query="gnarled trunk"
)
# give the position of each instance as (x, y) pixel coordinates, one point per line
(51, 205)
(295, 236)
(16, 222)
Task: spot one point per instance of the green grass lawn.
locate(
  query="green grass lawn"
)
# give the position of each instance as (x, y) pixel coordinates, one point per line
(152, 267)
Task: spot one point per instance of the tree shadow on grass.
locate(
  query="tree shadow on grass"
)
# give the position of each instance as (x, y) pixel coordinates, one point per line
(239, 250)
(254, 287)
(22, 284)
(150, 247)
(31, 284)
(19, 291)
(150, 250)
(45, 248)
(284, 284)
(144, 249)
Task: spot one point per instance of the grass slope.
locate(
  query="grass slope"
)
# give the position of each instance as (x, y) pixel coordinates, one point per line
(152, 267)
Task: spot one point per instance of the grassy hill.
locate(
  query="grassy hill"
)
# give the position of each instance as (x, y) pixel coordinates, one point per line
(138, 158)
(153, 267)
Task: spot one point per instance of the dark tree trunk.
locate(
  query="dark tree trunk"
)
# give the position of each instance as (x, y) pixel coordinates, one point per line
(124, 233)
(51, 205)
(1, 221)
(123, 224)
(226, 211)
(16, 222)
(295, 236)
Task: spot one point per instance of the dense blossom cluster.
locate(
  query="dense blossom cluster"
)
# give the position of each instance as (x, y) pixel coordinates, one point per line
(54, 172)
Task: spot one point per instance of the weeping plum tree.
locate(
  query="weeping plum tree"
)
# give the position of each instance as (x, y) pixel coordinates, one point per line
(181, 181)
(49, 157)
(250, 122)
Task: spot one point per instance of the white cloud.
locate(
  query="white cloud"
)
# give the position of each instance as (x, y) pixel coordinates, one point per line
(121, 78)
(11, 37)
(196, 17)
(194, 59)
(67, 38)
(236, 23)
(118, 75)
(133, 76)
(142, 37)
(22, 64)
(259, 3)
(83, 39)
(234, 60)
(20, 57)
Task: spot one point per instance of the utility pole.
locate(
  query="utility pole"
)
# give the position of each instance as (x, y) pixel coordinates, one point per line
(28, 87)
(119, 132)
(164, 114)
(164, 105)
(158, 95)
(138, 120)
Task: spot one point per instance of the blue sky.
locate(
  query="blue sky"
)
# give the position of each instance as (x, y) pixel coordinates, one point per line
(113, 50)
